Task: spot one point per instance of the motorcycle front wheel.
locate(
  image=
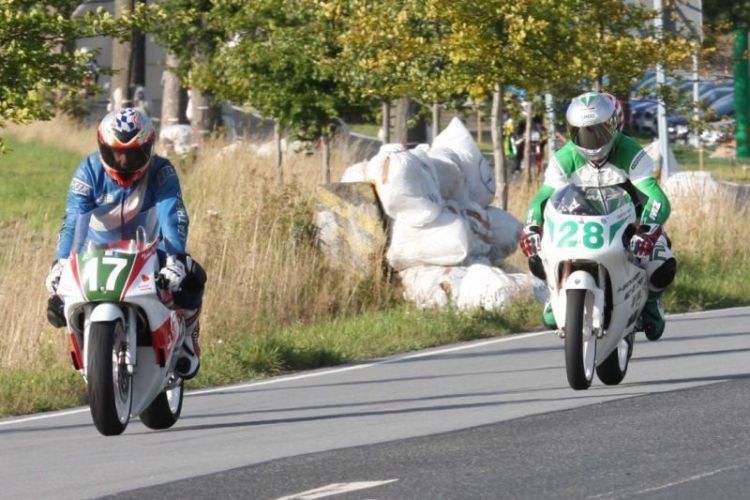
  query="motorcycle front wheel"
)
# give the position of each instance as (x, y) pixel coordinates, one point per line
(110, 386)
(580, 341)
(165, 409)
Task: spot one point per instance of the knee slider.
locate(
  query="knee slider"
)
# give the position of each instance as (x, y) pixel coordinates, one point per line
(664, 275)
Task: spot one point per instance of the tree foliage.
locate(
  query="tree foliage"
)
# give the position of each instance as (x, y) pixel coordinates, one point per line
(274, 55)
(35, 41)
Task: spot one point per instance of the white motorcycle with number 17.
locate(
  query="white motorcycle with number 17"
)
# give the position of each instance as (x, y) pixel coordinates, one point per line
(124, 327)
(597, 289)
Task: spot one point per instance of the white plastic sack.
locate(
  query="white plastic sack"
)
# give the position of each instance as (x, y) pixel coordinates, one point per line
(178, 138)
(431, 286)
(505, 231)
(490, 288)
(451, 178)
(479, 230)
(455, 143)
(443, 242)
(407, 187)
(355, 173)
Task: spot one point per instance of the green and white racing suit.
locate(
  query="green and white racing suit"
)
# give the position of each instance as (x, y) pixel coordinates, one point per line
(628, 166)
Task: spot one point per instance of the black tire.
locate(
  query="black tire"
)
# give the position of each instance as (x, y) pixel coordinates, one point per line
(110, 387)
(160, 414)
(574, 356)
(610, 372)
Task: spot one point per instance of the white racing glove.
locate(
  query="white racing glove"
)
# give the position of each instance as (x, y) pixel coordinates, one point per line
(171, 275)
(53, 277)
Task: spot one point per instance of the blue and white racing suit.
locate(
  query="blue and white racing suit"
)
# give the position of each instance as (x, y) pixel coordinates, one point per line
(92, 188)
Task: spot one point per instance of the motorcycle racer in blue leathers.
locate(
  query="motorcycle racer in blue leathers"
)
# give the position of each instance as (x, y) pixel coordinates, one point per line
(127, 176)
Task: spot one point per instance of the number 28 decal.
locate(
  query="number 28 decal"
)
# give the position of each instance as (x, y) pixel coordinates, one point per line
(591, 235)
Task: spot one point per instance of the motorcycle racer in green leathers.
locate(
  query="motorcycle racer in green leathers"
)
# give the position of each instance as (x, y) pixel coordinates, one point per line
(598, 154)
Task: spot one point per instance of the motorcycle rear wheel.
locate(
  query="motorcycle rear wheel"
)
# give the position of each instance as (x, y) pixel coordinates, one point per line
(110, 386)
(612, 371)
(165, 409)
(580, 341)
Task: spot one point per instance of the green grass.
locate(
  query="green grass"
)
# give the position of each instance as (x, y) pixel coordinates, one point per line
(242, 357)
(35, 179)
(368, 129)
(708, 284)
(727, 170)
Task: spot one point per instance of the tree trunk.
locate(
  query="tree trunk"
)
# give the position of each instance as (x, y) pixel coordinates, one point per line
(138, 59)
(170, 97)
(325, 159)
(122, 52)
(498, 153)
(479, 125)
(405, 132)
(205, 116)
(527, 141)
(386, 122)
(279, 157)
(400, 125)
(435, 120)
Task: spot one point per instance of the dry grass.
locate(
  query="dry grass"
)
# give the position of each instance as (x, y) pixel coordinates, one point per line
(26, 339)
(60, 131)
(254, 239)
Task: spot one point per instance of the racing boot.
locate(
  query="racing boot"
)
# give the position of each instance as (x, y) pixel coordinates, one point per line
(548, 318)
(189, 361)
(652, 317)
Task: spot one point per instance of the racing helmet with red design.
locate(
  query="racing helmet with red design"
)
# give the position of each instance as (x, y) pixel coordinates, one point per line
(126, 144)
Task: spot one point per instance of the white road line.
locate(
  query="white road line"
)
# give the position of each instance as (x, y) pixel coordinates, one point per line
(321, 373)
(44, 416)
(703, 313)
(622, 493)
(336, 489)
(301, 376)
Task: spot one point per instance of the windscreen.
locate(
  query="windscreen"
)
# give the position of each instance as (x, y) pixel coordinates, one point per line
(104, 226)
(576, 200)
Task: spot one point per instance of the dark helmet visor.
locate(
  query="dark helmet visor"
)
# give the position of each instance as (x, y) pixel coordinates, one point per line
(126, 160)
(593, 137)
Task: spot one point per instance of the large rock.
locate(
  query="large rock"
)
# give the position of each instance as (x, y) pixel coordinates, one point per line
(351, 226)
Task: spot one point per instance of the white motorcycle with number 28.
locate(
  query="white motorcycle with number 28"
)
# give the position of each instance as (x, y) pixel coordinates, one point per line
(597, 289)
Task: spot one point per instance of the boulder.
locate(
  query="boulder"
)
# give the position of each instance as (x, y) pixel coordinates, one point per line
(351, 226)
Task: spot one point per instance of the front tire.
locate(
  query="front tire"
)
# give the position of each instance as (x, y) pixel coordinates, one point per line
(580, 341)
(110, 386)
(612, 371)
(165, 409)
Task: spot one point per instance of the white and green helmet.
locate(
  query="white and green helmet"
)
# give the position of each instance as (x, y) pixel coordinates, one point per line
(593, 123)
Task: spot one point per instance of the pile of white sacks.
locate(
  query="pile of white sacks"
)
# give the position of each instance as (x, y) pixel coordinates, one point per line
(444, 236)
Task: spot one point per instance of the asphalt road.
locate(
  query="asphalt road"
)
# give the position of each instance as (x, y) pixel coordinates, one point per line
(488, 419)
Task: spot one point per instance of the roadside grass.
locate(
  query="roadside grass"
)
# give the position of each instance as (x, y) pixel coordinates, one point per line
(245, 355)
(35, 179)
(272, 306)
(722, 169)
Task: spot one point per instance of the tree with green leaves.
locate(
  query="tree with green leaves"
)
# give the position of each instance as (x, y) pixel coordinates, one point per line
(37, 61)
(273, 55)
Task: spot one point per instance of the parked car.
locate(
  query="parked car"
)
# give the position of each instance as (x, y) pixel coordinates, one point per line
(724, 106)
(711, 95)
